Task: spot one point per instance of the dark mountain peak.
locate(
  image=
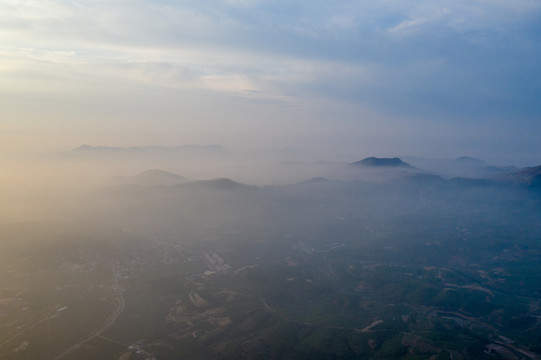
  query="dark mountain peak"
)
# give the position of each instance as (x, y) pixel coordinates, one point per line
(222, 183)
(382, 162)
(470, 161)
(84, 147)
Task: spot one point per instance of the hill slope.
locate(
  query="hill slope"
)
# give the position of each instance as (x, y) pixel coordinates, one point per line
(382, 162)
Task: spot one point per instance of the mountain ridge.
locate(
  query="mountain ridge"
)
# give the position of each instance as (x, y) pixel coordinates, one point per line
(382, 162)
(188, 147)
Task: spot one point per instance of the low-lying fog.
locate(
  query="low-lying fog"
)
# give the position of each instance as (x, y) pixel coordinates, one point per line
(202, 248)
(67, 186)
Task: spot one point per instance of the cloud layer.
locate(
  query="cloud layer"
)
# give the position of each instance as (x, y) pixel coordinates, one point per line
(468, 64)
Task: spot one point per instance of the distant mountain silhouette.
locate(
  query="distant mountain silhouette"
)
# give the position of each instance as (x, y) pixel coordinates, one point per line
(470, 161)
(463, 182)
(382, 162)
(158, 177)
(464, 167)
(318, 179)
(183, 148)
(223, 183)
(153, 177)
(89, 148)
(529, 176)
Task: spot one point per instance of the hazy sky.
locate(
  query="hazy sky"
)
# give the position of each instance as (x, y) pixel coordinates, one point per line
(389, 77)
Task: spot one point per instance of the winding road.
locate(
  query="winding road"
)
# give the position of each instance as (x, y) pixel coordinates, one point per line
(97, 332)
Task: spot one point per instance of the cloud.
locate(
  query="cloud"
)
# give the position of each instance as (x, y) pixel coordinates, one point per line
(446, 61)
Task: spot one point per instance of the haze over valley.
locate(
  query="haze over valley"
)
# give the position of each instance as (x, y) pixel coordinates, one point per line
(253, 179)
(242, 256)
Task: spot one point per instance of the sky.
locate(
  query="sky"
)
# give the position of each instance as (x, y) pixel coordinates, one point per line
(391, 77)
